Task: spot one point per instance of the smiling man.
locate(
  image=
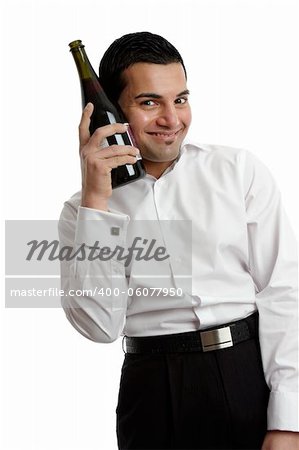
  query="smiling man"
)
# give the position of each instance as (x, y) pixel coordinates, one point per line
(213, 365)
(155, 98)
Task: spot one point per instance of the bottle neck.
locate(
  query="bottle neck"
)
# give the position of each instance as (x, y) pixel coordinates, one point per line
(84, 67)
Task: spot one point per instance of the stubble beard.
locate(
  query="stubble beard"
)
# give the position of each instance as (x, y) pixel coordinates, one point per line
(164, 154)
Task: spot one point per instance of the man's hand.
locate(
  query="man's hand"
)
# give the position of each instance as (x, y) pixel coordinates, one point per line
(281, 440)
(97, 162)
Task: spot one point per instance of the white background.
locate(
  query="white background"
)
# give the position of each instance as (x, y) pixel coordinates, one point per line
(60, 390)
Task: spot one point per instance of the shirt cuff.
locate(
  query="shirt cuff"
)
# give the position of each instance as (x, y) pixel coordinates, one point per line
(101, 227)
(283, 411)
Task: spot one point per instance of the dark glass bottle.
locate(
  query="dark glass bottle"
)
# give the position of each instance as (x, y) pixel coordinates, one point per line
(105, 113)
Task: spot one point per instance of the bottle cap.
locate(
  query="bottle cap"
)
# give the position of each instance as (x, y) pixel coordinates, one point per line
(75, 44)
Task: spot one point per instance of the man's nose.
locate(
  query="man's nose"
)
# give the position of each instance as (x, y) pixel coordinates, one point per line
(168, 117)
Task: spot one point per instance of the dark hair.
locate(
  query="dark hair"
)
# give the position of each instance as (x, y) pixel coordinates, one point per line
(131, 49)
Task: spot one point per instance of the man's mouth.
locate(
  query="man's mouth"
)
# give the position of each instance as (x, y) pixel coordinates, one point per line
(164, 134)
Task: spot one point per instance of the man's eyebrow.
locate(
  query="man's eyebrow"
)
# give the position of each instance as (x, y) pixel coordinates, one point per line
(147, 95)
(185, 92)
(157, 96)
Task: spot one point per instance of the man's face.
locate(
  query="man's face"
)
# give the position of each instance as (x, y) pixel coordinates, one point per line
(155, 103)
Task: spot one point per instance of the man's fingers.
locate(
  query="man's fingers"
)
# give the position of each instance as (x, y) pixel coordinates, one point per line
(84, 134)
(104, 166)
(120, 161)
(90, 144)
(110, 151)
(108, 130)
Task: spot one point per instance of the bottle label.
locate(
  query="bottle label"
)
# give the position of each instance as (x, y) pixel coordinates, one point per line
(120, 141)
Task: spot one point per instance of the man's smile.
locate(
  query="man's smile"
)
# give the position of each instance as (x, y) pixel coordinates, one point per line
(164, 134)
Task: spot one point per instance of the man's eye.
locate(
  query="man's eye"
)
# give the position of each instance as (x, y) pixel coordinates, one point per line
(181, 100)
(148, 103)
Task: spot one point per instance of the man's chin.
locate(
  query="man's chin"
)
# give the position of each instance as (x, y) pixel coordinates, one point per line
(161, 153)
(155, 159)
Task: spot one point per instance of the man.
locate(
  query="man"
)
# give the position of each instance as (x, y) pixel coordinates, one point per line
(192, 375)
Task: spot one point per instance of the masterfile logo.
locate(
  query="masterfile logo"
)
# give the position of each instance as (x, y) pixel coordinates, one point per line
(141, 249)
(36, 256)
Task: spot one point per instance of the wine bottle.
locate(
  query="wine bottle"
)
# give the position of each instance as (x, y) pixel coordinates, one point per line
(104, 113)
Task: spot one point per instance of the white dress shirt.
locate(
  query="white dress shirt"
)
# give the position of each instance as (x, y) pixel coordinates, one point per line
(231, 252)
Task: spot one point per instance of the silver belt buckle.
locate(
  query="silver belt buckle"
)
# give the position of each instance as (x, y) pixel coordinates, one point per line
(216, 339)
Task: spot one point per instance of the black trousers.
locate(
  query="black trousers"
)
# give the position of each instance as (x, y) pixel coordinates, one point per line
(214, 400)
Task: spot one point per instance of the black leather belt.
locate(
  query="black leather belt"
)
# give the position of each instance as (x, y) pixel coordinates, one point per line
(206, 340)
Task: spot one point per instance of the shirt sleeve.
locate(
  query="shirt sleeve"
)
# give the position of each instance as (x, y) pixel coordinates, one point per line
(273, 266)
(94, 283)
